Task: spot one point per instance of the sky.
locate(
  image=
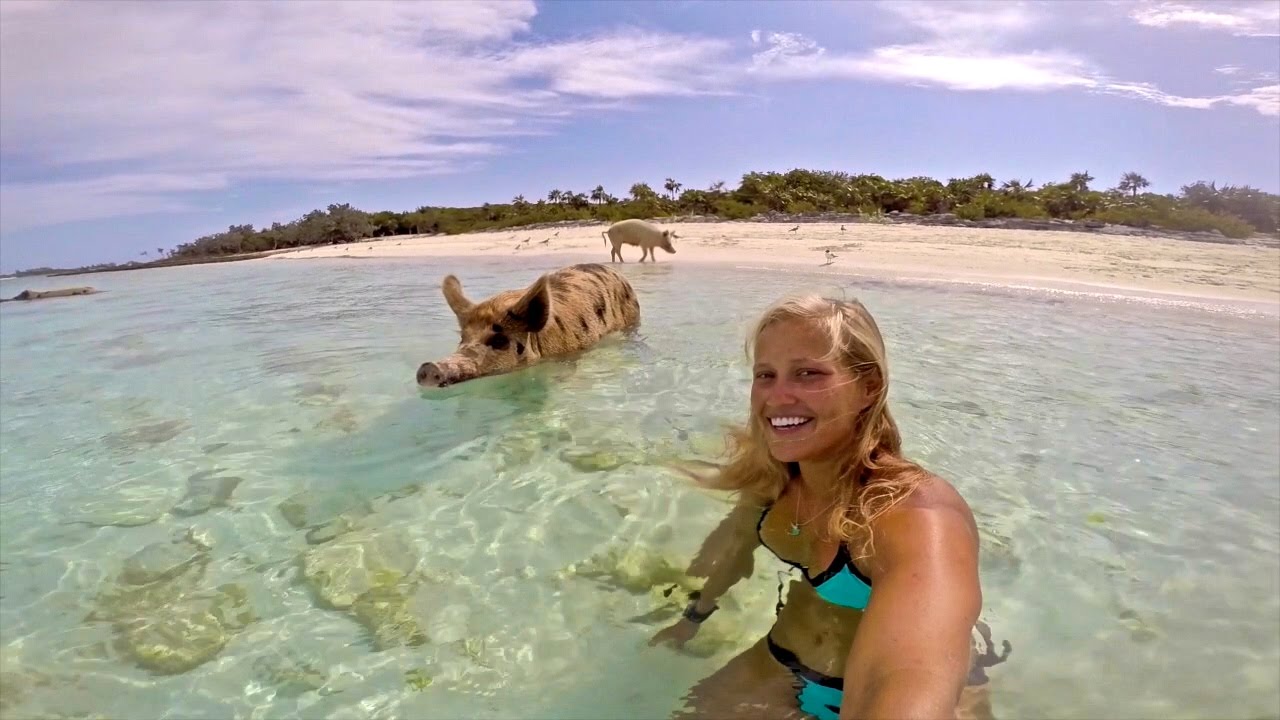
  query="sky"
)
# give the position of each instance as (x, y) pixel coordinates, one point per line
(131, 126)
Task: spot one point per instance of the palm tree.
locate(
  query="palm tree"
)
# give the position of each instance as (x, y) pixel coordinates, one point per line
(1016, 188)
(555, 196)
(672, 187)
(642, 191)
(597, 195)
(1080, 181)
(1132, 182)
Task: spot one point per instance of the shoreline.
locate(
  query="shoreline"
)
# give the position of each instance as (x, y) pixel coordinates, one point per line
(1063, 261)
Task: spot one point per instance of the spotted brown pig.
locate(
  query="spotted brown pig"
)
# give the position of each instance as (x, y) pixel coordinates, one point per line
(562, 312)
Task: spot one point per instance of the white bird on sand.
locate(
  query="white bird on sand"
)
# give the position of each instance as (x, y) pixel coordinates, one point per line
(831, 255)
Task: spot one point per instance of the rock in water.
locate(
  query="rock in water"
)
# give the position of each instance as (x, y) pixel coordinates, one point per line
(346, 568)
(205, 491)
(163, 620)
(371, 576)
(341, 525)
(161, 561)
(46, 294)
(315, 507)
(143, 436)
(188, 633)
(386, 612)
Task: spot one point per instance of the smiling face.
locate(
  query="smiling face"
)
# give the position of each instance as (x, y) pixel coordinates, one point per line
(806, 401)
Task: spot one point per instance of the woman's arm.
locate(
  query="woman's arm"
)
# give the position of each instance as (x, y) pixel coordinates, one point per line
(724, 558)
(910, 656)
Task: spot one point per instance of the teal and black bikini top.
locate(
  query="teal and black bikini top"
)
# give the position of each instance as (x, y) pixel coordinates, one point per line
(840, 584)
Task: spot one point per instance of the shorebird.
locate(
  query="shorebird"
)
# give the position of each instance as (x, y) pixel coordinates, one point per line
(544, 242)
(526, 240)
(841, 228)
(830, 255)
(794, 229)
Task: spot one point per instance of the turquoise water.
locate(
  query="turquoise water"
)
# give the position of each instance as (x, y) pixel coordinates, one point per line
(501, 549)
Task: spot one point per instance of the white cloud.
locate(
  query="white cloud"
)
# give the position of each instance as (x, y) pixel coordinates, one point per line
(964, 23)
(1228, 69)
(965, 47)
(626, 64)
(973, 46)
(164, 98)
(926, 65)
(29, 205)
(1260, 18)
(785, 49)
(1265, 100)
(300, 91)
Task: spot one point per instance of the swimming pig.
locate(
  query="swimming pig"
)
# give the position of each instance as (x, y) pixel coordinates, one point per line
(562, 312)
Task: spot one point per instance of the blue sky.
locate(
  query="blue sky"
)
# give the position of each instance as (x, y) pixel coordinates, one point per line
(132, 126)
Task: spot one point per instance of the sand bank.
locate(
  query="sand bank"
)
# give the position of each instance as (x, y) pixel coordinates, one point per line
(1015, 257)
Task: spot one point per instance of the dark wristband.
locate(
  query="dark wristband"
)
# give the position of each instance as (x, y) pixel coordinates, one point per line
(690, 611)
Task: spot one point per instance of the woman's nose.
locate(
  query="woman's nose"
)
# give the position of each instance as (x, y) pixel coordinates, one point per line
(780, 392)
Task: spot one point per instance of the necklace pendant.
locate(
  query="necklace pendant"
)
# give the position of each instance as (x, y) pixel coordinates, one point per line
(795, 529)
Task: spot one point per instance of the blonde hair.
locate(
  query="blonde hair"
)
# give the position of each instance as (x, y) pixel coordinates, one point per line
(873, 476)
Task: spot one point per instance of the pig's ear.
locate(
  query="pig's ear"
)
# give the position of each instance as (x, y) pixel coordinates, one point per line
(453, 295)
(532, 311)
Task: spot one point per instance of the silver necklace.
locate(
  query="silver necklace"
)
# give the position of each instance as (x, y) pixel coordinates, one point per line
(794, 530)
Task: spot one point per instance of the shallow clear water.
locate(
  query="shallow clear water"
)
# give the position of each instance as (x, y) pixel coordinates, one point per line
(1121, 458)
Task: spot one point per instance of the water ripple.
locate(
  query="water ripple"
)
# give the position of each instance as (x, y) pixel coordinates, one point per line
(1119, 455)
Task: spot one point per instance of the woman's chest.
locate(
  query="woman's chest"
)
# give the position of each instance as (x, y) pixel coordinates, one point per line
(796, 544)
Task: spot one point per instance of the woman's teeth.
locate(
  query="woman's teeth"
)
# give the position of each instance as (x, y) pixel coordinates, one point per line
(788, 422)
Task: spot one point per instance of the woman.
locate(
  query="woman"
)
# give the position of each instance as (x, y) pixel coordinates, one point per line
(880, 626)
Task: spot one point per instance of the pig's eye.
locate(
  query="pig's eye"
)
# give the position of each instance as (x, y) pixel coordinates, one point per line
(498, 341)
(519, 348)
(497, 328)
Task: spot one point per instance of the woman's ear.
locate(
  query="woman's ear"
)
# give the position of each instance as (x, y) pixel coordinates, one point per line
(868, 386)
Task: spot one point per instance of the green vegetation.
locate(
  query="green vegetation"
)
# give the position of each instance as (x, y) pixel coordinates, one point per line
(1236, 212)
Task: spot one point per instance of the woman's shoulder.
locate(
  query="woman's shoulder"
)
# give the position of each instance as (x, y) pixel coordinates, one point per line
(934, 492)
(934, 507)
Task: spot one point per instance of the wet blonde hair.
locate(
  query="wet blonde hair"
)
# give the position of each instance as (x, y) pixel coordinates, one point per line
(873, 474)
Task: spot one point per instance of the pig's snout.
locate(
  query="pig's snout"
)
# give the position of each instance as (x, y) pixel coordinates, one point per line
(429, 375)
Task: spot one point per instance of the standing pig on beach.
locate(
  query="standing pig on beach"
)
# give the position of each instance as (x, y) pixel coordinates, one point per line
(637, 232)
(562, 312)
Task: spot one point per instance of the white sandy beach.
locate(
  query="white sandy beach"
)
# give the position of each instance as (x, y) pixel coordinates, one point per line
(1068, 260)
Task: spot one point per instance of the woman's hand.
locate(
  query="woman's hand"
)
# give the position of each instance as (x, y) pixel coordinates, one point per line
(676, 635)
